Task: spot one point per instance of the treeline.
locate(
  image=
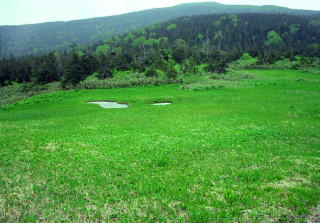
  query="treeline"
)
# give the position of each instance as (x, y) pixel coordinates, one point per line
(175, 46)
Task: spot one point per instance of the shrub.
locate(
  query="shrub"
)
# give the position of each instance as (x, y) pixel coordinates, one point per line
(202, 68)
(135, 79)
(104, 72)
(171, 72)
(244, 62)
(188, 66)
(151, 72)
(216, 66)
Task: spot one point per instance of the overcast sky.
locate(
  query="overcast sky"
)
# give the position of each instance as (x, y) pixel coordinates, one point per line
(16, 12)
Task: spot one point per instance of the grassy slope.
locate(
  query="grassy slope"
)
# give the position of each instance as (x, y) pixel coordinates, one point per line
(244, 153)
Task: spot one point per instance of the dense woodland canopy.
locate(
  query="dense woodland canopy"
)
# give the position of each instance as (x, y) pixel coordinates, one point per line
(215, 40)
(42, 38)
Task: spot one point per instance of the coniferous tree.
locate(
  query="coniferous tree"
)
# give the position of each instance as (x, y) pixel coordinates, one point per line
(73, 71)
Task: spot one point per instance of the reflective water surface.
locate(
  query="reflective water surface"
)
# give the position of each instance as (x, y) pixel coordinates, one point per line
(162, 103)
(109, 104)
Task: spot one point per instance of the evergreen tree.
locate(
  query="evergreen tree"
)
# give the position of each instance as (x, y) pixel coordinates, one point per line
(73, 71)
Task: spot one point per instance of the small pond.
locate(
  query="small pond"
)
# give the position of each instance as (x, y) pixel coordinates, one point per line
(161, 103)
(109, 104)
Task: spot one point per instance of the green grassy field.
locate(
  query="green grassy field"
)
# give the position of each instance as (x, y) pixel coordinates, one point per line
(249, 152)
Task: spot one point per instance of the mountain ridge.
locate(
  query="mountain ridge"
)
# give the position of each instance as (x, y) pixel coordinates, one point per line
(176, 6)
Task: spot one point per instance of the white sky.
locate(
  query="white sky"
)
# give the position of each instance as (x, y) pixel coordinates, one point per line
(16, 12)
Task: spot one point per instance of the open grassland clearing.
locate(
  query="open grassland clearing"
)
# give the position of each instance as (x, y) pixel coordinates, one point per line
(246, 153)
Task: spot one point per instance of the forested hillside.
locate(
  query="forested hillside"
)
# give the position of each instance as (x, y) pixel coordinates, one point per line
(175, 46)
(42, 38)
(259, 34)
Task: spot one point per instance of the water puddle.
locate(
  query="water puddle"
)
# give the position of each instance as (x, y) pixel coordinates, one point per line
(109, 104)
(162, 103)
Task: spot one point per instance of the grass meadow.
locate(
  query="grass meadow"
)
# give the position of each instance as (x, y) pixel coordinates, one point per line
(245, 151)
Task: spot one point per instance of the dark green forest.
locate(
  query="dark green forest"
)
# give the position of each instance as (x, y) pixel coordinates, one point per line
(215, 40)
(42, 38)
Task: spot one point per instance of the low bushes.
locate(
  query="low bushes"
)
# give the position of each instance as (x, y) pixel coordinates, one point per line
(132, 80)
